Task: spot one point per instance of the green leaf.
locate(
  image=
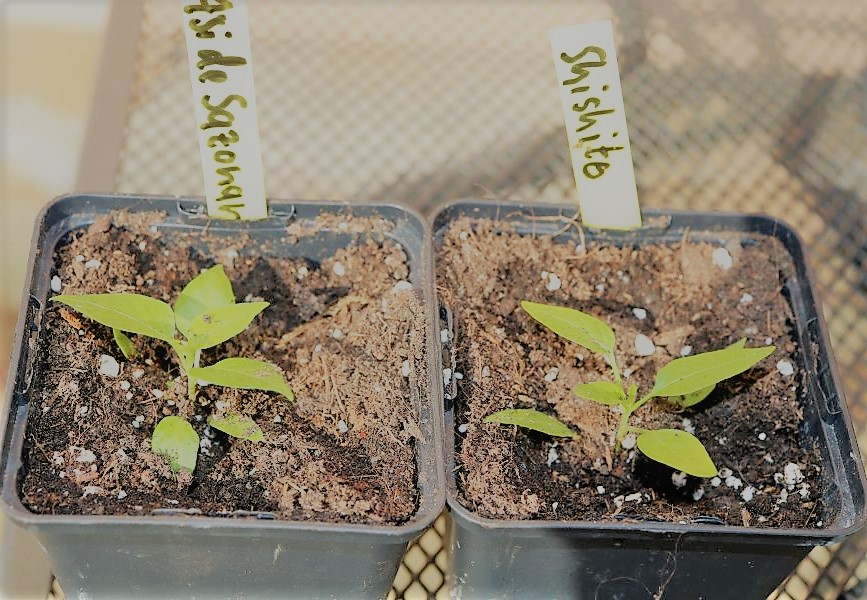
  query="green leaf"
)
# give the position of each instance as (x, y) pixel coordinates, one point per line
(574, 325)
(176, 439)
(182, 347)
(211, 289)
(215, 326)
(245, 374)
(687, 400)
(128, 312)
(603, 392)
(677, 449)
(693, 373)
(531, 419)
(238, 426)
(124, 343)
(691, 399)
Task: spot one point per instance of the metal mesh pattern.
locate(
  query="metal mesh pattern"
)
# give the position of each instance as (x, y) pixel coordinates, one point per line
(758, 107)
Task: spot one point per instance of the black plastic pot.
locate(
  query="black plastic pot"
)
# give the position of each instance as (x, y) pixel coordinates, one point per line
(248, 556)
(578, 559)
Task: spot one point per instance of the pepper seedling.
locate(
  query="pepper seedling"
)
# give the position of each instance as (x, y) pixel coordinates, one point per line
(684, 382)
(205, 314)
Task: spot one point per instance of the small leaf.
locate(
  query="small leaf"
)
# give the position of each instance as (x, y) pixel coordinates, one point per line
(245, 374)
(687, 400)
(531, 419)
(211, 289)
(677, 449)
(176, 439)
(238, 426)
(603, 392)
(124, 343)
(217, 325)
(692, 373)
(574, 325)
(128, 312)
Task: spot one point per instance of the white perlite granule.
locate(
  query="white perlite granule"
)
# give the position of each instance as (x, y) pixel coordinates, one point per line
(722, 259)
(643, 345)
(108, 366)
(86, 456)
(553, 456)
(792, 475)
(734, 482)
(554, 283)
(785, 368)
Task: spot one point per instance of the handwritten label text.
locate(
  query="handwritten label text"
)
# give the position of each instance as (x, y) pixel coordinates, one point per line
(221, 72)
(592, 99)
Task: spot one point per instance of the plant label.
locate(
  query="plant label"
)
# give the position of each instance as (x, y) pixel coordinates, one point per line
(221, 71)
(589, 83)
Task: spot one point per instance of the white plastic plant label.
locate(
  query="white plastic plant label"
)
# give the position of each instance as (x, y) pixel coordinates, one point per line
(589, 83)
(221, 71)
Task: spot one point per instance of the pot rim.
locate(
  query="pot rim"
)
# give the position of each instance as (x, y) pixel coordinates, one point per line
(638, 529)
(13, 422)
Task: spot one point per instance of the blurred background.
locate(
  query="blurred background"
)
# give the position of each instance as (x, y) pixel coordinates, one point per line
(747, 106)
(49, 54)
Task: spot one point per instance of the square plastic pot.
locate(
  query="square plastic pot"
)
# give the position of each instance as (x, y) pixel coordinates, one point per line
(249, 555)
(580, 559)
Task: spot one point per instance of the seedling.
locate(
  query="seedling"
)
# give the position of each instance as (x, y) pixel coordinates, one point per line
(205, 315)
(684, 382)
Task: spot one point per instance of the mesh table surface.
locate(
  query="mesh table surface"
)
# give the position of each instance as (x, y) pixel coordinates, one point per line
(736, 106)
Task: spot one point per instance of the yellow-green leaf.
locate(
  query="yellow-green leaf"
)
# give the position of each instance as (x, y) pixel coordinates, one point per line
(176, 439)
(693, 373)
(124, 343)
(603, 392)
(134, 313)
(687, 400)
(238, 426)
(531, 419)
(211, 289)
(246, 374)
(677, 449)
(574, 325)
(215, 326)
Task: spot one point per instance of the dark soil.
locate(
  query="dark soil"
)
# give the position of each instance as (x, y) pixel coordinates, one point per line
(344, 451)
(751, 425)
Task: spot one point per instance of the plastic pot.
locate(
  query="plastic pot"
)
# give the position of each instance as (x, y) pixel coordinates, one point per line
(581, 559)
(249, 555)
